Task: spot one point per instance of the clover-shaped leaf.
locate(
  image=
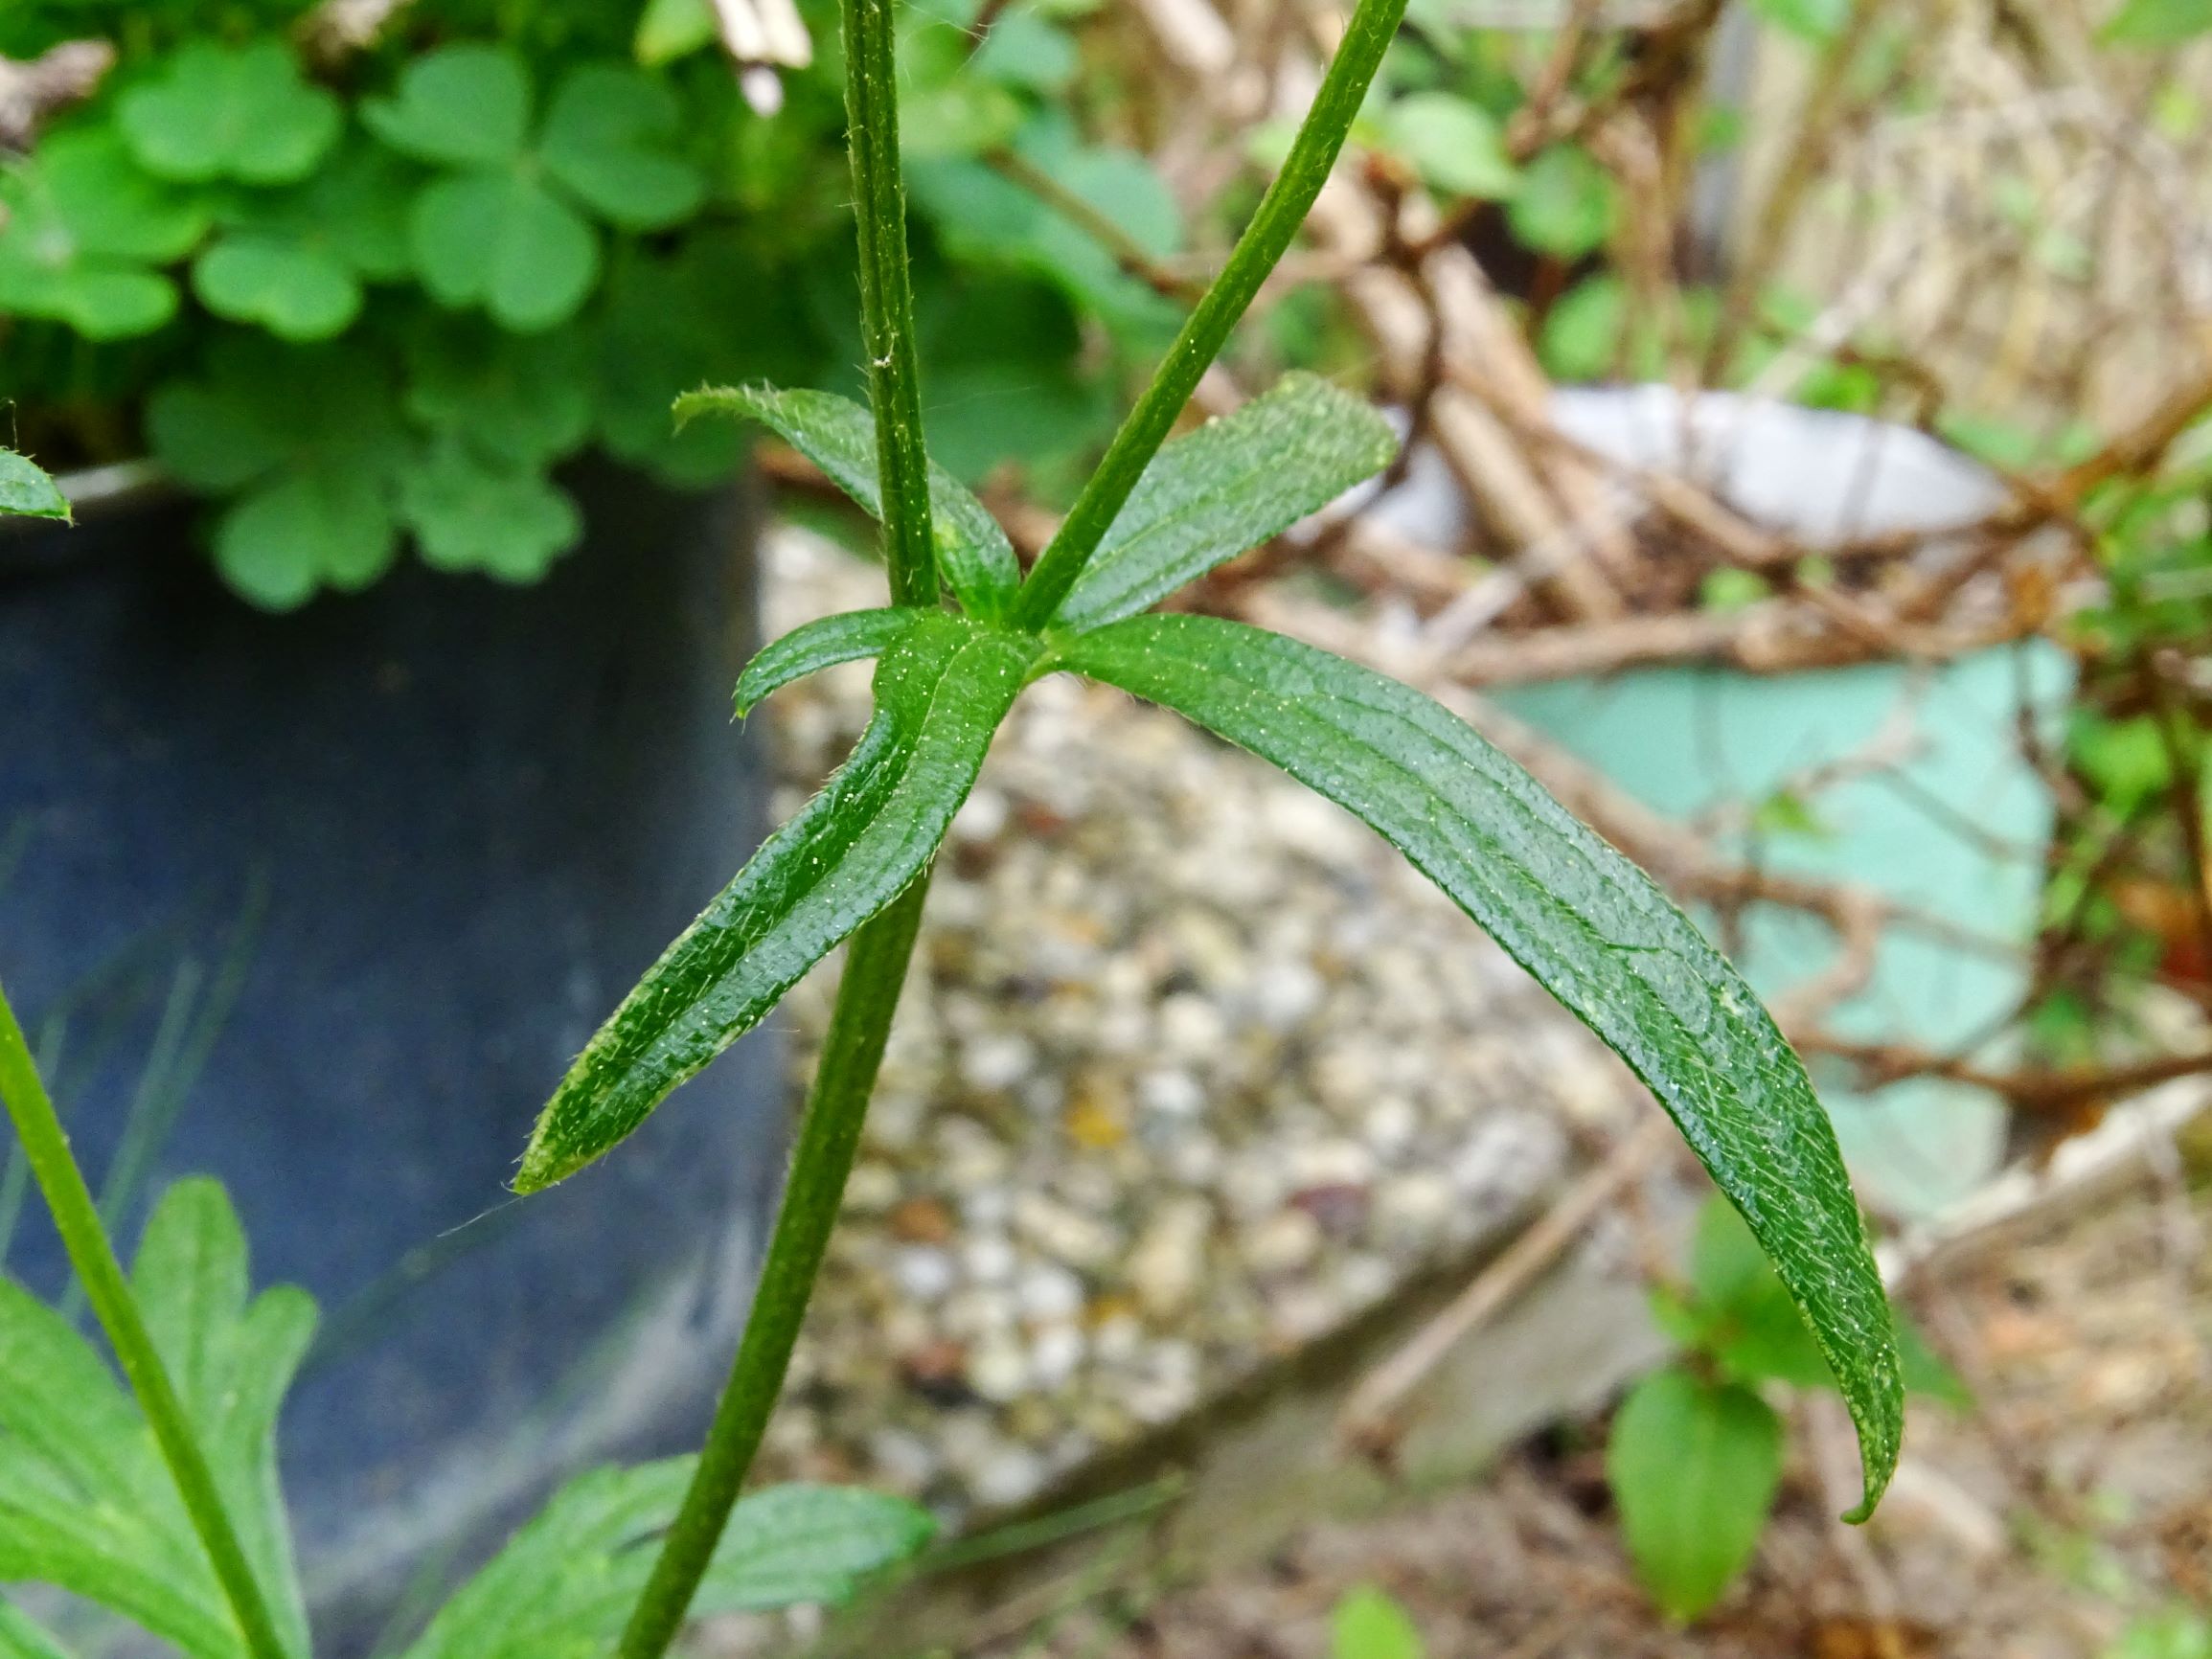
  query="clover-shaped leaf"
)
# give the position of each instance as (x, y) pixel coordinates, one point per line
(504, 242)
(472, 515)
(507, 229)
(459, 106)
(294, 262)
(524, 399)
(84, 226)
(229, 112)
(292, 289)
(608, 138)
(319, 473)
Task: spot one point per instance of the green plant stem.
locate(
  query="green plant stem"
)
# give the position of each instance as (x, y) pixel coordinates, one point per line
(851, 1053)
(76, 1219)
(1264, 243)
(888, 299)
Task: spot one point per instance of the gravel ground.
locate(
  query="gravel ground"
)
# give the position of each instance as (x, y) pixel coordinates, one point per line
(1191, 1069)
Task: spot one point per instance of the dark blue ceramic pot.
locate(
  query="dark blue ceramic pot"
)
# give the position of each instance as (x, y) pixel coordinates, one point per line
(324, 904)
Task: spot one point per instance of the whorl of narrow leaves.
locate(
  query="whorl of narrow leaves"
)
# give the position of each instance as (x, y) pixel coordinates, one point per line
(939, 695)
(1585, 922)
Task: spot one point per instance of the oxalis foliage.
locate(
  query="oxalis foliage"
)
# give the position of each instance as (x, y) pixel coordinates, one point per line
(964, 633)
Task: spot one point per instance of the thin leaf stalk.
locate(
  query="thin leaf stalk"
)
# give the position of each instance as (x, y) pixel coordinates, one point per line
(828, 1136)
(1266, 240)
(888, 297)
(92, 1255)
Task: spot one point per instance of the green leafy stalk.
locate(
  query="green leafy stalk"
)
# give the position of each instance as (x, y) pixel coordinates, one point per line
(1264, 243)
(76, 1219)
(886, 297)
(867, 996)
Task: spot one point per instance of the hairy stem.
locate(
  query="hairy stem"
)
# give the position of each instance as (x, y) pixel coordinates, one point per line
(76, 1219)
(1264, 243)
(867, 996)
(888, 299)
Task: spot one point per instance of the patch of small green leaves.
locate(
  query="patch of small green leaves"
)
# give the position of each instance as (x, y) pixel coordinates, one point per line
(85, 233)
(316, 477)
(26, 491)
(296, 262)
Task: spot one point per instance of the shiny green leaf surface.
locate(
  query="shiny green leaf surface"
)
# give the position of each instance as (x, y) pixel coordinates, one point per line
(1226, 489)
(818, 645)
(839, 437)
(1588, 924)
(940, 694)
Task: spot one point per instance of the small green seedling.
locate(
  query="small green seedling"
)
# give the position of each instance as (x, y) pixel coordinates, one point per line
(1369, 1624)
(1695, 1456)
(964, 632)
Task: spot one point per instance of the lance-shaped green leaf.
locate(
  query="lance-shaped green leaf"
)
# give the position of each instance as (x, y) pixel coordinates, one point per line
(27, 491)
(1226, 489)
(86, 1503)
(822, 644)
(839, 437)
(1588, 924)
(563, 1585)
(940, 693)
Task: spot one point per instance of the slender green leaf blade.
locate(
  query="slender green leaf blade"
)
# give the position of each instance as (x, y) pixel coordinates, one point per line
(27, 491)
(940, 692)
(839, 437)
(1226, 489)
(819, 645)
(1694, 1466)
(1588, 924)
